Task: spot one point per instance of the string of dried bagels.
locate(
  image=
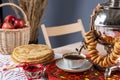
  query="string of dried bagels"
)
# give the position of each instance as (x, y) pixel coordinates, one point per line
(96, 57)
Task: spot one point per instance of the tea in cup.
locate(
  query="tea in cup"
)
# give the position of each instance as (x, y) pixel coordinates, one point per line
(73, 60)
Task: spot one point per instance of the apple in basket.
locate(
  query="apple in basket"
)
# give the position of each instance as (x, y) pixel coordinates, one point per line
(1, 25)
(10, 19)
(7, 25)
(19, 23)
(11, 22)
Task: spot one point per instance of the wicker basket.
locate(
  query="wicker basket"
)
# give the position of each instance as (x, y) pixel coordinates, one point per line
(11, 38)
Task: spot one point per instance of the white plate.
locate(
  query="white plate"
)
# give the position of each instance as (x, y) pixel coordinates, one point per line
(60, 64)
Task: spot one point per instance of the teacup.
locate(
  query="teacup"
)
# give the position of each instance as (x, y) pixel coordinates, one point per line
(73, 60)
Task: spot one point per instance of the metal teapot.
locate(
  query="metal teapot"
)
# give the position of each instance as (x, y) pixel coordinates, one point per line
(107, 20)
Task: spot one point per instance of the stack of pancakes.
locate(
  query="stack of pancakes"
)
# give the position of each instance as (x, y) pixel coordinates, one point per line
(33, 53)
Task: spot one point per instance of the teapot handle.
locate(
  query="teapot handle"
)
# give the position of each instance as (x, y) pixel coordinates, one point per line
(93, 15)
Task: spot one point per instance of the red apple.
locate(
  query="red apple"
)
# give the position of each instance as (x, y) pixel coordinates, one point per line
(1, 25)
(10, 19)
(7, 25)
(19, 23)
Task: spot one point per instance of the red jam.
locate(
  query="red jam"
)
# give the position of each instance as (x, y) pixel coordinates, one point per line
(33, 67)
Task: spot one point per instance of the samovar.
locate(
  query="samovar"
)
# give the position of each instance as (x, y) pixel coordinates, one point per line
(105, 30)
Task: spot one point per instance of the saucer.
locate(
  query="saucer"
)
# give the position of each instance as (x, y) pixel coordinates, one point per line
(60, 64)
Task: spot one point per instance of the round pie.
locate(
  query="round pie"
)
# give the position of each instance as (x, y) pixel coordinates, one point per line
(33, 53)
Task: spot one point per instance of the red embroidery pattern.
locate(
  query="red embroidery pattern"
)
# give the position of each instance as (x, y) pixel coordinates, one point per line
(54, 73)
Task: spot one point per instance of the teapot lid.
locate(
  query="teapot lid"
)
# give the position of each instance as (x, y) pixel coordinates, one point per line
(111, 4)
(110, 15)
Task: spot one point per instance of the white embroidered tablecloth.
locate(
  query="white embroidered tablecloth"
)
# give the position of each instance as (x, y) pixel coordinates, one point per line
(13, 74)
